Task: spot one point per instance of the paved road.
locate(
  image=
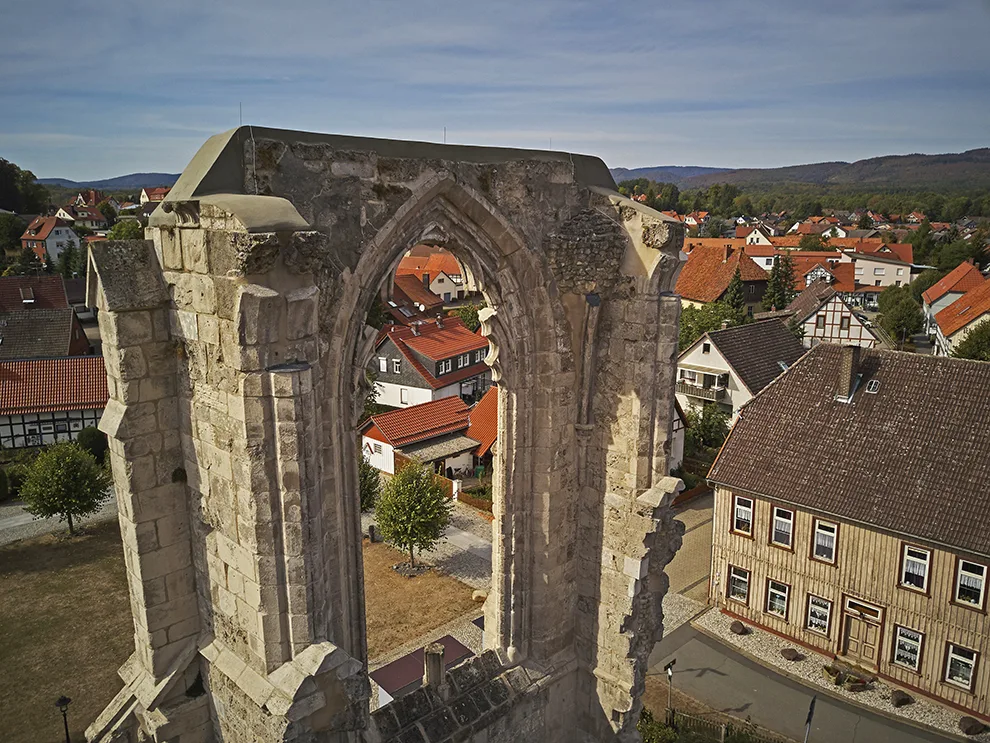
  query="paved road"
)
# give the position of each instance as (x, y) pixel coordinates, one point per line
(715, 674)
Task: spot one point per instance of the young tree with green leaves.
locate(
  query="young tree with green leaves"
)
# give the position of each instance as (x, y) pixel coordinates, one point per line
(925, 281)
(696, 321)
(813, 242)
(93, 440)
(106, 209)
(11, 229)
(976, 345)
(707, 427)
(714, 227)
(413, 510)
(900, 316)
(469, 315)
(865, 223)
(65, 481)
(371, 483)
(68, 261)
(128, 229)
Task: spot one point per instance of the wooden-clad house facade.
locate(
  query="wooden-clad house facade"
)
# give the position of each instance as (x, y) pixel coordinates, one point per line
(850, 590)
(850, 516)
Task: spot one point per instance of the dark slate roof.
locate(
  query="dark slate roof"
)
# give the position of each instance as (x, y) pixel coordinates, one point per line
(33, 334)
(913, 458)
(814, 296)
(756, 350)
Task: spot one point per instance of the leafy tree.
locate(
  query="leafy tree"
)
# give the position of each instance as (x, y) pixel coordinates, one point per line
(19, 190)
(377, 316)
(780, 286)
(653, 730)
(68, 260)
(107, 210)
(707, 427)
(865, 223)
(714, 227)
(734, 296)
(696, 321)
(371, 483)
(891, 296)
(27, 263)
(65, 481)
(469, 314)
(900, 315)
(925, 281)
(413, 510)
(11, 229)
(976, 345)
(128, 229)
(742, 206)
(94, 441)
(813, 242)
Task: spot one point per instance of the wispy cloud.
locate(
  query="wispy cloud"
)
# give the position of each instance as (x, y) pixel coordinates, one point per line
(119, 87)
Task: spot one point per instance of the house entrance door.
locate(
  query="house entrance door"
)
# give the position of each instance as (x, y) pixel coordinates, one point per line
(861, 633)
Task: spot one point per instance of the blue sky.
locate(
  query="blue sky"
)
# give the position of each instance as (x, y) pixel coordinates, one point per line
(98, 89)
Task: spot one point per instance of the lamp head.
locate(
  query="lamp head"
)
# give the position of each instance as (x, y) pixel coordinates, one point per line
(63, 703)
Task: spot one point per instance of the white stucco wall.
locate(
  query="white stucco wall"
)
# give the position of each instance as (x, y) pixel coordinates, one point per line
(391, 394)
(736, 394)
(379, 454)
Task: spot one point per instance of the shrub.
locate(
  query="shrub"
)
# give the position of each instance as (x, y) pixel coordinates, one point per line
(94, 441)
(4, 489)
(654, 731)
(371, 483)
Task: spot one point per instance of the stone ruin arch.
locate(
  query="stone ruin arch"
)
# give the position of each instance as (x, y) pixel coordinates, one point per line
(236, 349)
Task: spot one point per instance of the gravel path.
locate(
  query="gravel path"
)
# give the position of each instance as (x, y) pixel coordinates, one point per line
(765, 648)
(17, 524)
(679, 609)
(465, 554)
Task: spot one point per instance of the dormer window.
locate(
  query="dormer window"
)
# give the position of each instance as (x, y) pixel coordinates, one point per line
(27, 295)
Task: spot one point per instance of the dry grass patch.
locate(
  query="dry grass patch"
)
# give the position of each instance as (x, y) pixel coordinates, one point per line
(399, 609)
(65, 628)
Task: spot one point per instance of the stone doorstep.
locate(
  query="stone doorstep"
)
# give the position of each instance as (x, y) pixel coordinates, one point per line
(809, 653)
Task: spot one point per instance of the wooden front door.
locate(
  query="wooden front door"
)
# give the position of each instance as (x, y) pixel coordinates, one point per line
(861, 634)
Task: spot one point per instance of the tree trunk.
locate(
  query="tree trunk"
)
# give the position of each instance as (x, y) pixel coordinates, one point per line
(412, 560)
(72, 532)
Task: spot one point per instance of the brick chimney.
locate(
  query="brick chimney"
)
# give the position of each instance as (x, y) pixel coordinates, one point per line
(726, 252)
(440, 322)
(426, 280)
(415, 328)
(848, 373)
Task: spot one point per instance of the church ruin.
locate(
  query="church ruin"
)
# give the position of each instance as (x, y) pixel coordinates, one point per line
(236, 351)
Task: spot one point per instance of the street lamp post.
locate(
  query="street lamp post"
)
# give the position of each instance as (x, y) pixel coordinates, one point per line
(63, 704)
(669, 668)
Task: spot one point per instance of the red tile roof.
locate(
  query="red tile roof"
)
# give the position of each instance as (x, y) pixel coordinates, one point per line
(969, 307)
(419, 422)
(708, 271)
(157, 194)
(432, 264)
(962, 278)
(410, 288)
(48, 293)
(805, 261)
(437, 343)
(899, 251)
(42, 227)
(49, 385)
(483, 421)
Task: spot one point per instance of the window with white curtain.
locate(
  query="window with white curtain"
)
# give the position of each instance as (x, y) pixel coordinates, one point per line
(742, 517)
(907, 648)
(824, 547)
(819, 614)
(783, 527)
(914, 568)
(777, 593)
(738, 584)
(970, 583)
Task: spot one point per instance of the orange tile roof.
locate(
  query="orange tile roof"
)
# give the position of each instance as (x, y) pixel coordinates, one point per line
(962, 278)
(419, 422)
(969, 307)
(410, 288)
(432, 264)
(42, 228)
(51, 385)
(453, 339)
(707, 273)
(483, 421)
(805, 261)
(895, 251)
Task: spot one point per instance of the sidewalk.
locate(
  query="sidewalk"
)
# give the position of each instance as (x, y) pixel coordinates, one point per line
(727, 681)
(16, 523)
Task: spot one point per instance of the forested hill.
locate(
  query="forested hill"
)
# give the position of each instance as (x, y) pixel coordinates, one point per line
(954, 171)
(121, 182)
(664, 173)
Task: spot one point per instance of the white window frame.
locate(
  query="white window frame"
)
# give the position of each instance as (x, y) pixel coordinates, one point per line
(445, 366)
(952, 653)
(825, 606)
(706, 347)
(736, 508)
(915, 559)
(403, 396)
(742, 575)
(383, 364)
(377, 448)
(460, 362)
(879, 271)
(687, 375)
(845, 322)
(789, 519)
(969, 571)
(900, 271)
(777, 588)
(396, 366)
(819, 523)
(820, 321)
(478, 356)
(909, 642)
